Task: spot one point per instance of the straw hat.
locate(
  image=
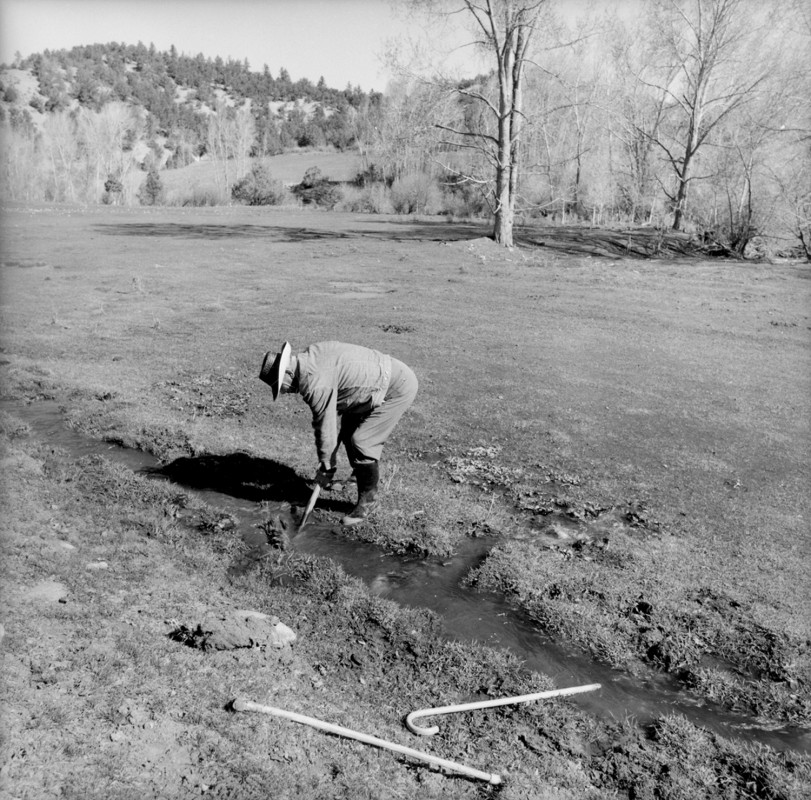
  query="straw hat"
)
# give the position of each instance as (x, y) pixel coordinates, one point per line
(274, 366)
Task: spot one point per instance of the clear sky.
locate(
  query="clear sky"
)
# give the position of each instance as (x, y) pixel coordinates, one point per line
(343, 40)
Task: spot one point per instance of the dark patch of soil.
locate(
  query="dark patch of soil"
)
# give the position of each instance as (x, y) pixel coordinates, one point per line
(629, 242)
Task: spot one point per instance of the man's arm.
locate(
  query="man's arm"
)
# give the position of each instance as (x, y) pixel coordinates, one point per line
(323, 402)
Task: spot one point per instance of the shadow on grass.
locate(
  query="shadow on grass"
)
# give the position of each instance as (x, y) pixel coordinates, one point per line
(238, 475)
(569, 239)
(388, 230)
(185, 231)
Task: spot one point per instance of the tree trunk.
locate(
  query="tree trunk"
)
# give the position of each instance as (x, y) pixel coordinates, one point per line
(681, 201)
(515, 129)
(505, 209)
(504, 219)
(509, 71)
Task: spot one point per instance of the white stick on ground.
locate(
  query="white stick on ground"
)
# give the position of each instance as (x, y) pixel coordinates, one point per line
(248, 705)
(503, 701)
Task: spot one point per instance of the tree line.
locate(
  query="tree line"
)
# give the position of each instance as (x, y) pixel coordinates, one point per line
(691, 114)
(688, 114)
(91, 77)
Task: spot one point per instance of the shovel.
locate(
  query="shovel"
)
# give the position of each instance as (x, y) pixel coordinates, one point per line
(310, 504)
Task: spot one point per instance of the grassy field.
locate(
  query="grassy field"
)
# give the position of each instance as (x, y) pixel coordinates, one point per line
(635, 433)
(289, 168)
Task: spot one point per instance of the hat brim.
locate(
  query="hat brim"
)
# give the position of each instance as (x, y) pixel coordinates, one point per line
(274, 375)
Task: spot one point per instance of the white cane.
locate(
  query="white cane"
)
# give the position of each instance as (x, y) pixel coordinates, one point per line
(502, 701)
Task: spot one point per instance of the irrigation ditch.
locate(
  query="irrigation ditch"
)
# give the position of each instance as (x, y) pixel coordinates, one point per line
(437, 584)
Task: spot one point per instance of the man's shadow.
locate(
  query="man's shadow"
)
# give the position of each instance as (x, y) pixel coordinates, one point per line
(245, 477)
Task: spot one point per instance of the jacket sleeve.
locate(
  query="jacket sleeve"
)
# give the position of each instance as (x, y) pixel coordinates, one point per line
(323, 402)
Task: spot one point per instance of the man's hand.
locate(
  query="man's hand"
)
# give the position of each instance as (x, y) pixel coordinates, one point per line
(324, 477)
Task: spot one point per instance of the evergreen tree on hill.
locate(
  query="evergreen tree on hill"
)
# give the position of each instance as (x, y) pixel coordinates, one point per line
(174, 88)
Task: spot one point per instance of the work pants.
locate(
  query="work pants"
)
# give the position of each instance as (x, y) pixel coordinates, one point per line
(364, 435)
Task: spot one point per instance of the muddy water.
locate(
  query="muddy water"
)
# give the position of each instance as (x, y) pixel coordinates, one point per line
(466, 614)
(471, 615)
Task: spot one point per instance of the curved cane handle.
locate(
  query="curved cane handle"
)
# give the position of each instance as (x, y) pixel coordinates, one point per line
(501, 701)
(425, 712)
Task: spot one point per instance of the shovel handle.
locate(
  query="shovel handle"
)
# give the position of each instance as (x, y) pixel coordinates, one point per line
(310, 504)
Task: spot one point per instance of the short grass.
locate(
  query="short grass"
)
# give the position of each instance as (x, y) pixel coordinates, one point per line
(678, 389)
(99, 699)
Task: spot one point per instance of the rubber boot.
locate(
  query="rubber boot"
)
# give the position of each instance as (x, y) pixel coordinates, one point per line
(368, 476)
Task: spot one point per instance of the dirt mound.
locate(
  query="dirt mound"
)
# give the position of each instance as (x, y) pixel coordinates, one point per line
(231, 630)
(480, 245)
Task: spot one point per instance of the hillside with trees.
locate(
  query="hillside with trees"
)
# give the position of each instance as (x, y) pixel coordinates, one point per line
(76, 119)
(693, 116)
(178, 92)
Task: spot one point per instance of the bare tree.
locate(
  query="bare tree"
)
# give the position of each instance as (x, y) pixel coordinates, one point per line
(561, 132)
(702, 75)
(220, 146)
(20, 164)
(504, 31)
(753, 149)
(244, 137)
(506, 28)
(635, 117)
(102, 136)
(60, 148)
(790, 168)
(231, 134)
(405, 136)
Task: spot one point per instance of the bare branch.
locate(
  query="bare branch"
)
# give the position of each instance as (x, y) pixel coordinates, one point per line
(472, 134)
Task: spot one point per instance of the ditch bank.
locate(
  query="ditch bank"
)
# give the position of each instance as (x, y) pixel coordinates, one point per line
(99, 673)
(267, 526)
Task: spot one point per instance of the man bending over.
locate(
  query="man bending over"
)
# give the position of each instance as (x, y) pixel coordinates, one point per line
(357, 396)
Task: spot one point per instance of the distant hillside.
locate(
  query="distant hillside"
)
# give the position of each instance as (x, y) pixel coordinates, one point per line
(175, 95)
(85, 124)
